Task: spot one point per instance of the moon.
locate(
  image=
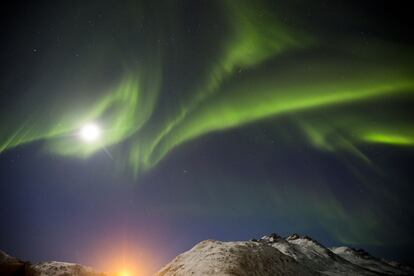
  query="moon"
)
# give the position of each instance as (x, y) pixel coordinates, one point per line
(90, 132)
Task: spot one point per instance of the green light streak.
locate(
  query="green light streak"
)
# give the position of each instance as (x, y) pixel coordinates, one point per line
(389, 138)
(255, 38)
(245, 104)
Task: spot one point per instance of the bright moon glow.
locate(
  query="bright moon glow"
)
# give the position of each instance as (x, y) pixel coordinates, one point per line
(90, 132)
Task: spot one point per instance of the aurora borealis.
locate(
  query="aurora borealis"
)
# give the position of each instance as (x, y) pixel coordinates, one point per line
(293, 116)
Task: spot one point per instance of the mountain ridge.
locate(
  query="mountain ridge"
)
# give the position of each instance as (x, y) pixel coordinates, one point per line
(270, 255)
(294, 255)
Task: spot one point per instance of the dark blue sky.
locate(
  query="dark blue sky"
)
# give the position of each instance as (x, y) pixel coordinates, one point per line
(69, 209)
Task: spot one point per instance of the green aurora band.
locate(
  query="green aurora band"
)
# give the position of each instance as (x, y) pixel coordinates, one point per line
(220, 102)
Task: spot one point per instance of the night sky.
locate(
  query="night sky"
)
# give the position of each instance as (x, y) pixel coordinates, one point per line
(218, 119)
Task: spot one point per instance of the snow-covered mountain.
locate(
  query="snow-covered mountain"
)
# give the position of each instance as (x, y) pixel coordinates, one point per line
(274, 255)
(234, 258)
(7, 259)
(364, 259)
(270, 255)
(11, 266)
(63, 269)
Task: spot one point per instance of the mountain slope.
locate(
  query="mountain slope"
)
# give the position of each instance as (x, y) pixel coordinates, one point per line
(11, 266)
(63, 269)
(234, 258)
(363, 259)
(314, 255)
(274, 255)
(7, 259)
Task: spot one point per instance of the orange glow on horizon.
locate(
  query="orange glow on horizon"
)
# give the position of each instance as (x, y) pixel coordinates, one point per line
(128, 264)
(125, 260)
(121, 251)
(125, 273)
